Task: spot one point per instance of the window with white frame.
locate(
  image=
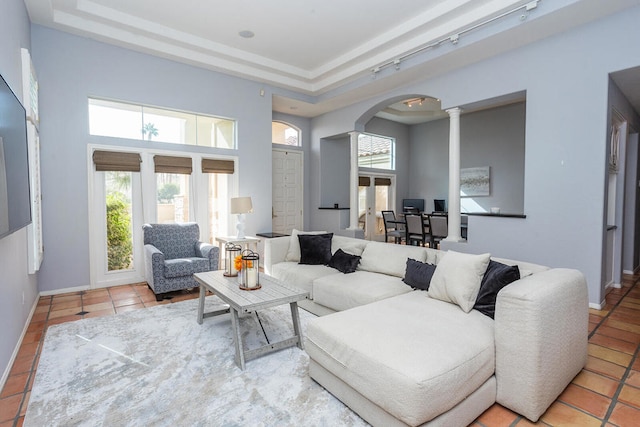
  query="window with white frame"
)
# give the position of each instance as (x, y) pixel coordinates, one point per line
(131, 187)
(134, 121)
(376, 151)
(285, 134)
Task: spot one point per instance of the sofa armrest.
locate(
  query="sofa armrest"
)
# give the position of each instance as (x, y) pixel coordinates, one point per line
(275, 251)
(541, 333)
(153, 265)
(207, 250)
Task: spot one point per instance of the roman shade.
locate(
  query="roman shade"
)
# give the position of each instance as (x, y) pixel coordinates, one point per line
(365, 181)
(382, 182)
(171, 164)
(116, 161)
(217, 166)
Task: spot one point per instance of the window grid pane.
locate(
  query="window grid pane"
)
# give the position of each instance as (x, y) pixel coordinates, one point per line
(173, 198)
(123, 120)
(284, 134)
(119, 225)
(375, 151)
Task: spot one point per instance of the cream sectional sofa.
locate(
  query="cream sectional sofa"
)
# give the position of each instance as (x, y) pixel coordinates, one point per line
(399, 356)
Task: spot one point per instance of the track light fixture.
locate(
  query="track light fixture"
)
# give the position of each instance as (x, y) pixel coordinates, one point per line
(455, 38)
(414, 101)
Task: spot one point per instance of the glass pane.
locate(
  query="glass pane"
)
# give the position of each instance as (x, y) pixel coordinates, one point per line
(173, 198)
(282, 133)
(376, 152)
(216, 132)
(169, 126)
(362, 208)
(115, 119)
(382, 204)
(119, 225)
(218, 205)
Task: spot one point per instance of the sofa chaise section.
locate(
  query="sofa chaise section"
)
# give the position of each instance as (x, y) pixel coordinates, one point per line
(413, 356)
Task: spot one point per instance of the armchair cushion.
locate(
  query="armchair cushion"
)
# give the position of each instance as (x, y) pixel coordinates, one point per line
(173, 240)
(185, 266)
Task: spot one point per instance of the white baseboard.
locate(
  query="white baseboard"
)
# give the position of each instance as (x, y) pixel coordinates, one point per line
(627, 272)
(12, 359)
(596, 306)
(64, 291)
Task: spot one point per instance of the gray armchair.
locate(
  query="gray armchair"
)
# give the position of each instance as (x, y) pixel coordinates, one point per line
(173, 254)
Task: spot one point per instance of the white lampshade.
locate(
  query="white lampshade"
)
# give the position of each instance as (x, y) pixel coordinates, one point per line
(241, 205)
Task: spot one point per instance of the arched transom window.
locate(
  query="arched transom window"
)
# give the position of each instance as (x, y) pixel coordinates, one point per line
(285, 134)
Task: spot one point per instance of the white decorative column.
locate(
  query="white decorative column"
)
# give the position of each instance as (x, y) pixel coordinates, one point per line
(353, 182)
(454, 175)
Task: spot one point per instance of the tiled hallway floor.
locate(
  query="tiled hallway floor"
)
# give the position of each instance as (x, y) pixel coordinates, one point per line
(605, 393)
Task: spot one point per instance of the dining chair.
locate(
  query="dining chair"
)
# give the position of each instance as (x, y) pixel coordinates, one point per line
(438, 228)
(392, 227)
(415, 230)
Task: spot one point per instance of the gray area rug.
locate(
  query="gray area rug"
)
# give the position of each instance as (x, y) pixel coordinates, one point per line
(157, 366)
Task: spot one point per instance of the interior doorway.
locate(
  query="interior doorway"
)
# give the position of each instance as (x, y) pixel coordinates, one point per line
(375, 194)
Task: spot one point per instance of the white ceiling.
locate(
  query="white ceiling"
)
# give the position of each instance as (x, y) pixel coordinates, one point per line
(316, 52)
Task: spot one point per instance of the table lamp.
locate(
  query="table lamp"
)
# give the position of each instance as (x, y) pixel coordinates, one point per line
(241, 206)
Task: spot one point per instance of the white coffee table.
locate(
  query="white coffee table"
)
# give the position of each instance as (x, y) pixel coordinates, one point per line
(272, 293)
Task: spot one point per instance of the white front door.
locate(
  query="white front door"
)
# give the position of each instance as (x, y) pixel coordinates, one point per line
(287, 195)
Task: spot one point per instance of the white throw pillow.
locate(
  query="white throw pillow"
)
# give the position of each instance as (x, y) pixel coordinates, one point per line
(457, 278)
(293, 253)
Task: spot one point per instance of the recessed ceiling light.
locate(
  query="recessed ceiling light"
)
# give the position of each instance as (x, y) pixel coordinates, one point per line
(247, 34)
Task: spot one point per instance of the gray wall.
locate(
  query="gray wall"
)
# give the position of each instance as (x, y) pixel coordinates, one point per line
(493, 137)
(566, 81)
(71, 69)
(18, 289)
(334, 172)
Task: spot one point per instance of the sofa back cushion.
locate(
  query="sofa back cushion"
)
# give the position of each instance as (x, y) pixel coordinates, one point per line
(526, 268)
(390, 259)
(348, 244)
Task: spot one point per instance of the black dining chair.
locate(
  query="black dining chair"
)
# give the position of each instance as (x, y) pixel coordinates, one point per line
(416, 230)
(392, 227)
(438, 228)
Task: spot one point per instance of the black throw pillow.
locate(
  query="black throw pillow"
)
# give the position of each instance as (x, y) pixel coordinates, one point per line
(315, 249)
(344, 262)
(418, 274)
(496, 277)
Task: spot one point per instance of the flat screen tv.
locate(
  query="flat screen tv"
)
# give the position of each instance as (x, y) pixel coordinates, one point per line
(412, 204)
(15, 202)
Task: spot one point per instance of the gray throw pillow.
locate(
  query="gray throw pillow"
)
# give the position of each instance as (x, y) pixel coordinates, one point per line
(315, 249)
(344, 262)
(496, 277)
(418, 274)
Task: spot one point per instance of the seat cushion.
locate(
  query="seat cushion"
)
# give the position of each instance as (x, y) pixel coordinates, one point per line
(185, 266)
(414, 356)
(345, 291)
(301, 275)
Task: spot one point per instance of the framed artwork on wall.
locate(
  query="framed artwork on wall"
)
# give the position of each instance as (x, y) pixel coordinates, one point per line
(475, 181)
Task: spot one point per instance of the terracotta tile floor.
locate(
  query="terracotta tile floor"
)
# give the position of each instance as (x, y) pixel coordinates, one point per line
(605, 393)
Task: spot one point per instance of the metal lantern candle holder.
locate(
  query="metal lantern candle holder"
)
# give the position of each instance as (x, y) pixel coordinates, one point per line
(231, 252)
(250, 270)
